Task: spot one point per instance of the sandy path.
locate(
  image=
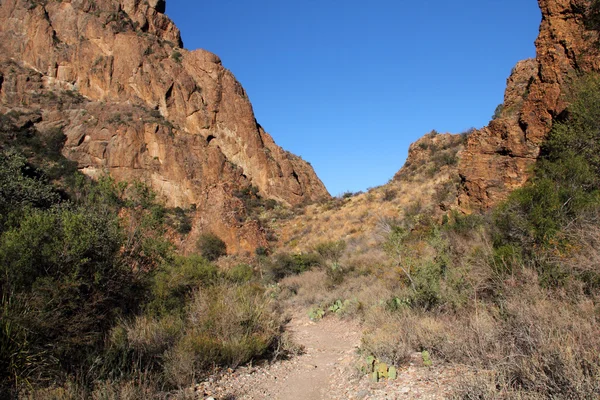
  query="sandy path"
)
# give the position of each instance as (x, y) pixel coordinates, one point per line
(327, 371)
(330, 346)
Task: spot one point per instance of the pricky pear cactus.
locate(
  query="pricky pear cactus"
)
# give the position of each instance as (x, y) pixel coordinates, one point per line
(316, 313)
(378, 370)
(336, 307)
(392, 373)
(382, 370)
(426, 358)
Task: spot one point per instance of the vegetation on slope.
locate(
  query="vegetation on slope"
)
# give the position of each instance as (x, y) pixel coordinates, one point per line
(95, 301)
(512, 294)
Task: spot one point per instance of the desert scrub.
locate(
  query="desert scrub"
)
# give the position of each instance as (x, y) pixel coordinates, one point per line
(546, 348)
(563, 193)
(221, 325)
(226, 325)
(174, 282)
(211, 246)
(283, 264)
(96, 303)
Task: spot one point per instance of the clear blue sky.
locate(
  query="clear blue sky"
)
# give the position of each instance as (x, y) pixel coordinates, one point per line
(348, 85)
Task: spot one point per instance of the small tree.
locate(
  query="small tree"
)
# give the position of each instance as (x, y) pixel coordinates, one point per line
(395, 247)
(498, 111)
(211, 246)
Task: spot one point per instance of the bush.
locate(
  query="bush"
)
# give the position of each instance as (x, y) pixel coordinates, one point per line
(563, 191)
(241, 273)
(76, 275)
(498, 111)
(389, 194)
(180, 220)
(284, 264)
(22, 185)
(177, 56)
(195, 323)
(227, 326)
(64, 285)
(331, 251)
(550, 348)
(211, 246)
(175, 281)
(465, 224)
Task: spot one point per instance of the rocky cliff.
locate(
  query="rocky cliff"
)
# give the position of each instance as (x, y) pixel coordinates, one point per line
(498, 158)
(133, 103)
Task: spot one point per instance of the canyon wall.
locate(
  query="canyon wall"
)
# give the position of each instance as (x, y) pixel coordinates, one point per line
(499, 157)
(147, 109)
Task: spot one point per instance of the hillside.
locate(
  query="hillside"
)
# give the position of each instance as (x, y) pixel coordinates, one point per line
(147, 110)
(427, 184)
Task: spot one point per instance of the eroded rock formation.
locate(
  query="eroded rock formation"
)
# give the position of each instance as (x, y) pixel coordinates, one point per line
(148, 109)
(498, 158)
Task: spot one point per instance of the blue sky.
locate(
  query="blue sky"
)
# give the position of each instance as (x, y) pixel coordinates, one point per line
(348, 85)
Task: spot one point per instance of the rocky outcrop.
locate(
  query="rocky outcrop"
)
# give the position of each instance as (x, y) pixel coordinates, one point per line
(432, 152)
(498, 158)
(148, 109)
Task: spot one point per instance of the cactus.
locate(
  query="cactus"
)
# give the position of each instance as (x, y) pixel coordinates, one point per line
(379, 370)
(392, 373)
(316, 313)
(426, 358)
(382, 370)
(374, 376)
(371, 363)
(336, 307)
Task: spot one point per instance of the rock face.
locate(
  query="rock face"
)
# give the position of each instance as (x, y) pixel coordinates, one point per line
(499, 157)
(434, 151)
(147, 109)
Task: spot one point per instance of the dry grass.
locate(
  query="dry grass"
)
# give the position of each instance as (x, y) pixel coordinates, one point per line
(542, 348)
(426, 182)
(141, 388)
(521, 339)
(226, 325)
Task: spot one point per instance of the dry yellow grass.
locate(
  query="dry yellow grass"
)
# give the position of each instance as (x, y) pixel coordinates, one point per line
(428, 182)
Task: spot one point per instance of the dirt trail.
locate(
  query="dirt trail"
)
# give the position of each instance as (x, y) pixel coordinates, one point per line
(327, 371)
(329, 349)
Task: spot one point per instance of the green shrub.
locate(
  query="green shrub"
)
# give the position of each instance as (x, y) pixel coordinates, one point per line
(464, 224)
(565, 186)
(22, 185)
(498, 111)
(180, 220)
(227, 326)
(62, 268)
(241, 273)
(177, 56)
(211, 246)
(591, 15)
(506, 258)
(175, 281)
(335, 273)
(284, 264)
(331, 251)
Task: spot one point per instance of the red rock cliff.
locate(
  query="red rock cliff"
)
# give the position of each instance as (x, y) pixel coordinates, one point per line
(150, 110)
(498, 157)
